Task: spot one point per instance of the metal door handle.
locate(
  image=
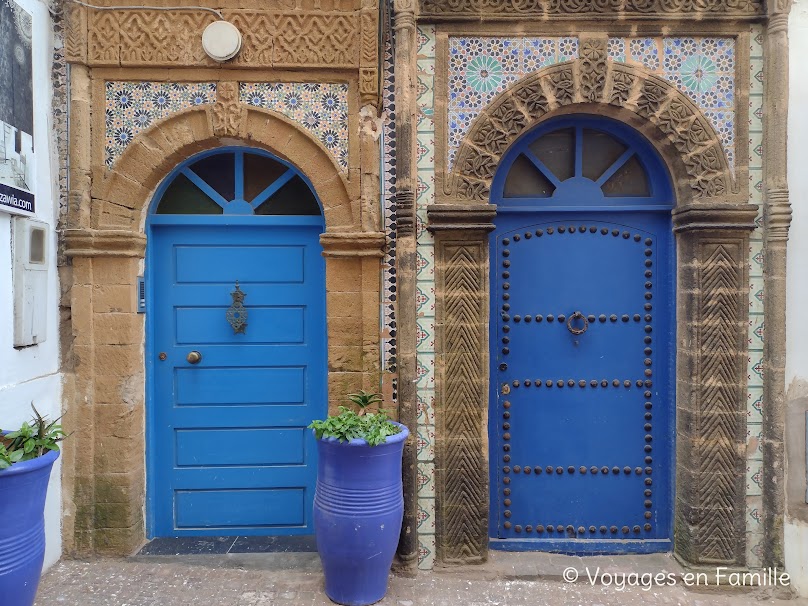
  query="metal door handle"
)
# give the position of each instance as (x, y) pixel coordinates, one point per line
(194, 357)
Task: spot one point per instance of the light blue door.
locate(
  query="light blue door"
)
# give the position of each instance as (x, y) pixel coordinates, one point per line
(229, 452)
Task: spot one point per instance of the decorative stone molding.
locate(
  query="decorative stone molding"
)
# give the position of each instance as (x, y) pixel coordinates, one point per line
(369, 53)
(103, 243)
(298, 37)
(564, 9)
(590, 79)
(353, 244)
(717, 216)
(228, 113)
(461, 216)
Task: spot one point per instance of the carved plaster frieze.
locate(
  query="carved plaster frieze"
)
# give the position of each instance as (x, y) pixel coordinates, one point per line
(271, 38)
(563, 9)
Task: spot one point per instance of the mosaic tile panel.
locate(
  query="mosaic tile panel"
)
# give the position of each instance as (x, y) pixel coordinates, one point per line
(425, 298)
(131, 107)
(754, 394)
(482, 67)
(702, 68)
(321, 108)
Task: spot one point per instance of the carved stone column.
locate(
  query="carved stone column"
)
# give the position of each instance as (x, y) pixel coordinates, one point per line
(712, 315)
(406, 48)
(461, 381)
(777, 218)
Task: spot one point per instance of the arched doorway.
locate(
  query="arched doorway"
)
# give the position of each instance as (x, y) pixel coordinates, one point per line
(583, 342)
(235, 346)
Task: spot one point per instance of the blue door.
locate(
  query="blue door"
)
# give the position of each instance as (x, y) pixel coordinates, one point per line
(237, 348)
(583, 343)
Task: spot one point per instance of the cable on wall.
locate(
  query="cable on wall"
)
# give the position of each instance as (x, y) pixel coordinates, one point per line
(151, 8)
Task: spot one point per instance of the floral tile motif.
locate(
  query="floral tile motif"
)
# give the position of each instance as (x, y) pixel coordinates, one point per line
(702, 68)
(426, 516)
(754, 549)
(131, 107)
(754, 478)
(425, 297)
(425, 442)
(426, 407)
(482, 67)
(644, 51)
(425, 479)
(754, 396)
(426, 551)
(321, 108)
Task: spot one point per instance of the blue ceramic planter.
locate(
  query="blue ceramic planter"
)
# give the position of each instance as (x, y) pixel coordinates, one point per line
(23, 487)
(358, 507)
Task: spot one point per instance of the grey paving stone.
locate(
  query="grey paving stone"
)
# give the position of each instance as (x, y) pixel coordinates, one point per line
(250, 580)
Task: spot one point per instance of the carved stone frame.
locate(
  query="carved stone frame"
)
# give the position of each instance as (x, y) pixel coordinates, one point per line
(712, 225)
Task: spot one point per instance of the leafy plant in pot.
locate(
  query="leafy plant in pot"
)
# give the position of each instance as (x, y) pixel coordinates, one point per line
(358, 501)
(26, 459)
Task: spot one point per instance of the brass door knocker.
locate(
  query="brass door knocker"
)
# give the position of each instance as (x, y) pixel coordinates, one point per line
(237, 314)
(575, 316)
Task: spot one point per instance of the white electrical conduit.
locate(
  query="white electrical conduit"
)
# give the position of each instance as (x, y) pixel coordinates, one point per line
(151, 8)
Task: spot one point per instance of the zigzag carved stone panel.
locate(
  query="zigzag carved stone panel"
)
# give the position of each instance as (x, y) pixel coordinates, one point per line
(461, 407)
(712, 409)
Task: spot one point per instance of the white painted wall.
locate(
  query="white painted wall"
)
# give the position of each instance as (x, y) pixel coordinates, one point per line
(32, 374)
(796, 533)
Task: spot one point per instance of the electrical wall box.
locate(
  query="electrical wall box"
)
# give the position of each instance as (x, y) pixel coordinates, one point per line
(30, 281)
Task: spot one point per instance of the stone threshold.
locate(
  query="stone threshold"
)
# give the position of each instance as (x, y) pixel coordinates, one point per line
(181, 546)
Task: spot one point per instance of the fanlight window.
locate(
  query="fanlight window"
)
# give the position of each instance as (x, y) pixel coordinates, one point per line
(238, 183)
(578, 162)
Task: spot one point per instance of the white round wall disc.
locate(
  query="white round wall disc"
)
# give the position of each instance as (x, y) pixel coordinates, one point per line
(221, 40)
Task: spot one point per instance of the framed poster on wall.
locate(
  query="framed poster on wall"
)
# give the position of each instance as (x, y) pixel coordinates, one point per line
(17, 167)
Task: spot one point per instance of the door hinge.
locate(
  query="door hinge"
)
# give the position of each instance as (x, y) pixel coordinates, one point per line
(141, 295)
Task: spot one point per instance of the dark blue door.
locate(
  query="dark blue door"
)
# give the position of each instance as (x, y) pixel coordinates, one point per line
(583, 343)
(228, 449)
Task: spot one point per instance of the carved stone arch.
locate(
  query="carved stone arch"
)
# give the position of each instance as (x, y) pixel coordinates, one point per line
(122, 195)
(685, 138)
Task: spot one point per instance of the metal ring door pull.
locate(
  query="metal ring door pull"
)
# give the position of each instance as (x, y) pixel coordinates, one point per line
(194, 357)
(577, 331)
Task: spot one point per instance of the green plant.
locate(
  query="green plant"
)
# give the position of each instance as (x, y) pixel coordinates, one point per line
(31, 440)
(363, 399)
(373, 427)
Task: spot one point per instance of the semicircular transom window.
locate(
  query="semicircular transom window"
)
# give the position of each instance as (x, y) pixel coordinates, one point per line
(238, 183)
(578, 162)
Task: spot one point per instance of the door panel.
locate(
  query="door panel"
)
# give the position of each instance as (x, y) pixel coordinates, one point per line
(228, 446)
(582, 423)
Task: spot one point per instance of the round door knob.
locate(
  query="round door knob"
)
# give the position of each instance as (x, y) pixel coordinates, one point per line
(194, 357)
